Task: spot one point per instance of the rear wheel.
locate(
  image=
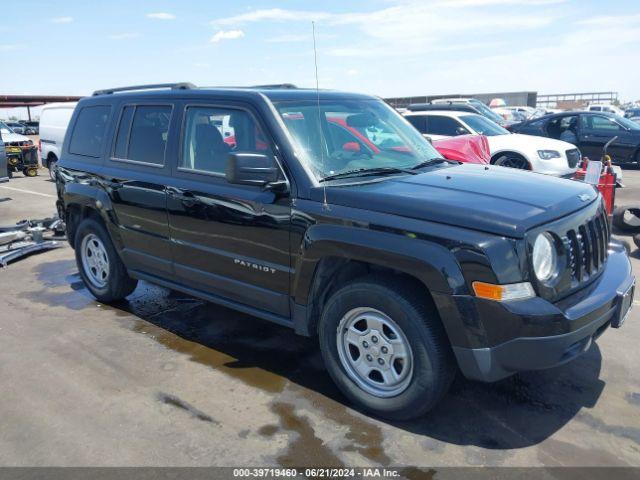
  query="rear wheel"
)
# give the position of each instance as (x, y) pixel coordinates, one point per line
(385, 348)
(511, 160)
(30, 171)
(100, 267)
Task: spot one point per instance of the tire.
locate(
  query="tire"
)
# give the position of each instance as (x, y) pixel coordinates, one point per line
(102, 271)
(51, 165)
(30, 172)
(511, 160)
(626, 224)
(429, 361)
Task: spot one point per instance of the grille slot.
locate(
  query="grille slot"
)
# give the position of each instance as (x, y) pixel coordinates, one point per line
(587, 247)
(573, 157)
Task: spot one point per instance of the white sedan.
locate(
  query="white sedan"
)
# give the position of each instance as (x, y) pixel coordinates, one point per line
(527, 152)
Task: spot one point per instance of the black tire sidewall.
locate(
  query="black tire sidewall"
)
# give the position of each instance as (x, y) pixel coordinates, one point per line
(425, 386)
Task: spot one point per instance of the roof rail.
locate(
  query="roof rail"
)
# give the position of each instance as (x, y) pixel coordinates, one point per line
(172, 86)
(276, 85)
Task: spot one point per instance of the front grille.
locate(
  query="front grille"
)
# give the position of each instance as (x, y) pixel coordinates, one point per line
(587, 247)
(17, 144)
(573, 157)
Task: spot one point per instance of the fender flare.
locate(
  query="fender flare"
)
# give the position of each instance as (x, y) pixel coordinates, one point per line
(87, 196)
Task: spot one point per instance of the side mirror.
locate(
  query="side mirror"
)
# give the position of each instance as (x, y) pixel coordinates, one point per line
(251, 169)
(461, 131)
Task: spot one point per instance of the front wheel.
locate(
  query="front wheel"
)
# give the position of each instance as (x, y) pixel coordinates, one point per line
(512, 160)
(100, 267)
(385, 348)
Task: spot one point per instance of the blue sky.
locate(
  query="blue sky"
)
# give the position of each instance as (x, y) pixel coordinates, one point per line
(382, 47)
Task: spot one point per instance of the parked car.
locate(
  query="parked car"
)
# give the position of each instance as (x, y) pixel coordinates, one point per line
(32, 128)
(20, 151)
(405, 266)
(465, 148)
(589, 131)
(526, 111)
(16, 127)
(608, 108)
(4, 170)
(538, 154)
(477, 105)
(632, 113)
(54, 120)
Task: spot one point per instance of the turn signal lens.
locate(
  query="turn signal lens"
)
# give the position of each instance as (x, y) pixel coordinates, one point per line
(501, 293)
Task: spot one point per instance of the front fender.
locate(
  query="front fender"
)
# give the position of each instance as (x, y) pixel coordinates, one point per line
(433, 264)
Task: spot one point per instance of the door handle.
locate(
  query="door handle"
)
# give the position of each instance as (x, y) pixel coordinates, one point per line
(187, 198)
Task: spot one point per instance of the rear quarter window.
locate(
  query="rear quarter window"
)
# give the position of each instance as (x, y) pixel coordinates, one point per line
(89, 131)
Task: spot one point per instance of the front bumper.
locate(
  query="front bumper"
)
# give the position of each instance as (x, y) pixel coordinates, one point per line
(535, 334)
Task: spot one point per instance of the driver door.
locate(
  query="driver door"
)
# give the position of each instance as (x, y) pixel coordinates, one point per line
(595, 131)
(230, 241)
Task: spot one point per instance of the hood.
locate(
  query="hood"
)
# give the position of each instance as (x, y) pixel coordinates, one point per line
(519, 140)
(497, 200)
(13, 137)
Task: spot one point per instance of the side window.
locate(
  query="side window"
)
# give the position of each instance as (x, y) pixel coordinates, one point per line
(142, 134)
(443, 126)
(598, 122)
(210, 133)
(88, 134)
(419, 122)
(122, 137)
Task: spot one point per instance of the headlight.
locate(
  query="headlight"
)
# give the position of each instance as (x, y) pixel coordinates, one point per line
(548, 154)
(545, 257)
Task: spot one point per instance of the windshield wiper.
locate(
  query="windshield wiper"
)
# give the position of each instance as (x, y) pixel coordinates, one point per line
(363, 172)
(431, 161)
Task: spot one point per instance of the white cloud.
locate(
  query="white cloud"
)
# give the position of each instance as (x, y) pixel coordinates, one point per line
(161, 16)
(611, 20)
(62, 20)
(272, 14)
(124, 36)
(489, 3)
(227, 35)
(406, 28)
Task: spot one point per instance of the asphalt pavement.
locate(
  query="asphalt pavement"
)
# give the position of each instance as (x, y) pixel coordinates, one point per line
(165, 379)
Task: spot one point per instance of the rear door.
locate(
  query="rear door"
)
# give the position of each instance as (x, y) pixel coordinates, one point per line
(135, 174)
(230, 241)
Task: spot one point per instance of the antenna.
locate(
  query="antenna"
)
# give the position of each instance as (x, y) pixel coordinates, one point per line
(325, 205)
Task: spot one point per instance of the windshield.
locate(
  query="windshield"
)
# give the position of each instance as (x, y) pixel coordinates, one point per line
(5, 128)
(347, 135)
(626, 123)
(483, 126)
(486, 111)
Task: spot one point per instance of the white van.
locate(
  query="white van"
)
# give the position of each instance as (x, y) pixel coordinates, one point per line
(54, 121)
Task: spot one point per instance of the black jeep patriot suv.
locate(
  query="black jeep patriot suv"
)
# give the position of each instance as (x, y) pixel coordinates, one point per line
(328, 213)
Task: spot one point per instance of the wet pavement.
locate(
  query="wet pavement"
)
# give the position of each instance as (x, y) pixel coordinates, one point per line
(166, 379)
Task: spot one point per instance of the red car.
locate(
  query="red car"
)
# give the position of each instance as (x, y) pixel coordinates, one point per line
(463, 148)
